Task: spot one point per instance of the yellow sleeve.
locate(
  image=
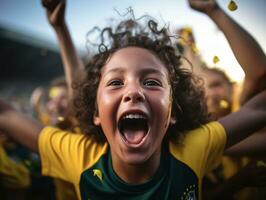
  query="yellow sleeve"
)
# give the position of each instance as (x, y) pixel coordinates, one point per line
(202, 148)
(65, 155)
(13, 175)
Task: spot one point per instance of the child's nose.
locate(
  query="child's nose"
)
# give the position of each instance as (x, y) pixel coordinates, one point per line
(134, 95)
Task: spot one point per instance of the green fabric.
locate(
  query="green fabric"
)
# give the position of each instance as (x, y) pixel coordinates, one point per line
(173, 180)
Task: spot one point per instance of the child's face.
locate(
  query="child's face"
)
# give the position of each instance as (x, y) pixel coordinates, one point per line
(134, 104)
(218, 93)
(57, 106)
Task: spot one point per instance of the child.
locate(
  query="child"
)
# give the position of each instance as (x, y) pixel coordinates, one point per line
(56, 113)
(231, 180)
(137, 107)
(221, 102)
(15, 177)
(55, 11)
(246, 49)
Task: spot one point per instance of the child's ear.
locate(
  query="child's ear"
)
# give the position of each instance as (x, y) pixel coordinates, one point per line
(96, 120)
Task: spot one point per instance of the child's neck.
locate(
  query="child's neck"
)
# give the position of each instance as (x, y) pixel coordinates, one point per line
(137, 173)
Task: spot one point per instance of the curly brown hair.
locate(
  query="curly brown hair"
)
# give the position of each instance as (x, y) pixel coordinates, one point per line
(219, 72)
(189, 108)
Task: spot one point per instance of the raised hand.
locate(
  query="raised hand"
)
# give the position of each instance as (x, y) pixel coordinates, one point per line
(55, 10)
(72, 63)
(205, 6)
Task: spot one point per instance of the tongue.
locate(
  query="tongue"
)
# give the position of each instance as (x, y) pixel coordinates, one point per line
(134, 136)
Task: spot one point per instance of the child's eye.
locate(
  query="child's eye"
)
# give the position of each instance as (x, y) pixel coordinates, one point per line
(115, 83)
(151, 83)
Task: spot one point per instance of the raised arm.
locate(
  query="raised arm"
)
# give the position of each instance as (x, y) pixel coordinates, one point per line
(253, 146)
(251, 175)
(55, 10)
(249, 119)
(18, 126)
(247, 51)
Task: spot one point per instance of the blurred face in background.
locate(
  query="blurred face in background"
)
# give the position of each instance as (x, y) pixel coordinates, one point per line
(218, 93)
(57, 105)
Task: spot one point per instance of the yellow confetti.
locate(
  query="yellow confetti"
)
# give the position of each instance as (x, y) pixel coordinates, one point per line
(185, 33)
(188, 30)
(60, 118)
(215, 59)
(232, 6)
(223, 104)
(53, 92)
(98, 173)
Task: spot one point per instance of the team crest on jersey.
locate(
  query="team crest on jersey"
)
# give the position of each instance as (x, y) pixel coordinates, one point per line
(98, 173)
(189, 193)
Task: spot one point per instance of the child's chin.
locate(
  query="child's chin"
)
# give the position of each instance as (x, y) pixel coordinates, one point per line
(135, 159)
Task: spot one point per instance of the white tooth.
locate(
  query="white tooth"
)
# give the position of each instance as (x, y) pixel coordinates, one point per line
(134, 116)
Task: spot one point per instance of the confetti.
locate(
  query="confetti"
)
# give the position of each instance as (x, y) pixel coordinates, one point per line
(98, 173)
(53, 92)
(223, 104)
(60, 118)
(232, 6)
(215, 59)
(185, 34)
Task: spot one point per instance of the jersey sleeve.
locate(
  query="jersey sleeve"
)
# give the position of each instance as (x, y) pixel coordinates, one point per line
(13, 175)
(215, 143)
(65, 155)
(202, 148)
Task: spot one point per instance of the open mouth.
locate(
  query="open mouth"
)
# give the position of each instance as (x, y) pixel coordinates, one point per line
(133, 128)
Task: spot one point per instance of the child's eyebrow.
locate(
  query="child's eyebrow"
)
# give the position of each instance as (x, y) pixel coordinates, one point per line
(144, 71)
(152, 71)
(117, 70)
